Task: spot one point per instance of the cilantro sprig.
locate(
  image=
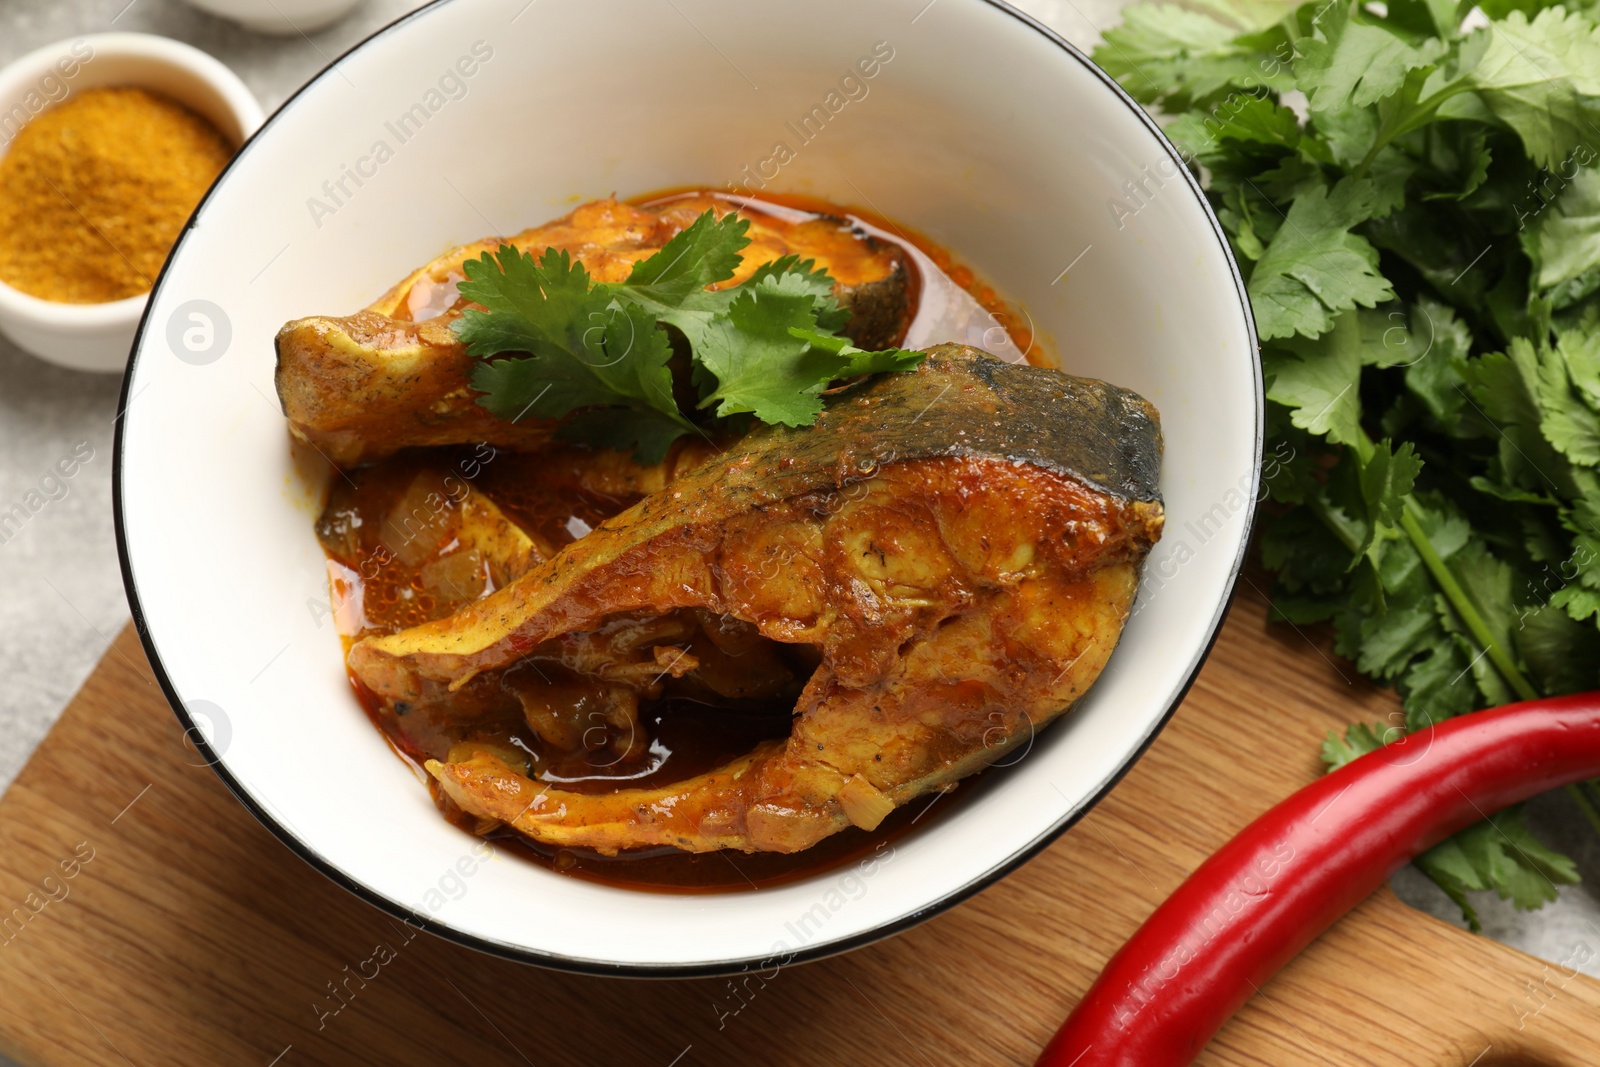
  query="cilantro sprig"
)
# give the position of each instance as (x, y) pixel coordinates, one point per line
(1419, 225)
(600, 355)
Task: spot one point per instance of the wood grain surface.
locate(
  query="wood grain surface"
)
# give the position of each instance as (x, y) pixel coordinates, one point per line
(186, 934)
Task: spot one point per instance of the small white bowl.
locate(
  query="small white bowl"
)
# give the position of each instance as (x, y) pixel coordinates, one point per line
(280, 18)
(96, 337)
(977, 126)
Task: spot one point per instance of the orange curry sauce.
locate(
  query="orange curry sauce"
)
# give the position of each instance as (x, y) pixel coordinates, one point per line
(380, 588)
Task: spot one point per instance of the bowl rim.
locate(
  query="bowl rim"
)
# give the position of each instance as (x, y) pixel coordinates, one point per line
(61, 316)
(714, 968)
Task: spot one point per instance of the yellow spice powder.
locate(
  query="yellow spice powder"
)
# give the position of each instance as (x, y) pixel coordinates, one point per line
(94, 192)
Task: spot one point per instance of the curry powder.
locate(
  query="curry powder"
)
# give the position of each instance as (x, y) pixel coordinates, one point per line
(94, 192)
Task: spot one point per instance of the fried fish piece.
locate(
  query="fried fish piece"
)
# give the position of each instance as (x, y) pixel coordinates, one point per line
(393, 375)
(960, 543)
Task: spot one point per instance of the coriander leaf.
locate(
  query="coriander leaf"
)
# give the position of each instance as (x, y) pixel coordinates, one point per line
(623, 364)
(1502, 854)
(1510, 493)
(1563, 239)
(1447, 531)
(695, 312)
(1503, 408)
(1584, 519)
(637, 353)
(547, 388)
(1293, 177)
(1542, 538)
(1408, 622)
(1246, 14)
(1310, 563)
(1448, 866)
(582, 350)
(1386, 338)
(1249, 216)
(1358, 740)
(1163, 51)
(803, 274)
(646, 434)
(1318, 383)
(1411, 633)
(1574, 291)
(1391, 640)
(1319, 379)
(1434, 688)
(1510, 310)
(1351, 63)
(1438, 346)
(1389, 171)
(888, 359)
(1580, 603)
(1581, 351)
(671, 285)
(759, 366)
(545, 308)
(1562, 653)
(701, 254)
(1451, 255)
(1490, 585)
(856, 361)
(1386, 480)
(1499, 9)
(1348, 137)
(1440, 18)
(1242, 118)
(1315, 266)
(1458, 154)
(1289, 469)
(1349, 132)
(1541, 78)
(1569, 424)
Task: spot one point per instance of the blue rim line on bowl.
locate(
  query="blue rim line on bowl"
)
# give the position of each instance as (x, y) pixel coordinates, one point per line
(717, 968)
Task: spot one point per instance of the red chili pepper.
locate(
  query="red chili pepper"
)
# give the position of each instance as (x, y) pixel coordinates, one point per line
(1289, 875)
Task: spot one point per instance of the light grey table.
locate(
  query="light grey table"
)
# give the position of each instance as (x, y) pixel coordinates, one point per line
(61, 598)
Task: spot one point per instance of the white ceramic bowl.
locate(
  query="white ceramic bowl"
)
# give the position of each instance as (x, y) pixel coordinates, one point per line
(97, 336)
(984, 130)
(281, 18)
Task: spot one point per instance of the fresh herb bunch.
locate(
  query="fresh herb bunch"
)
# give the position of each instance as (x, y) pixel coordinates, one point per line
(599, 355)
(1416, 204)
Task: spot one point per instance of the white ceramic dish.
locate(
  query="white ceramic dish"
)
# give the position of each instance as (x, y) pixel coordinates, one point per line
(984, 130)
(280, 18)
(97, 337)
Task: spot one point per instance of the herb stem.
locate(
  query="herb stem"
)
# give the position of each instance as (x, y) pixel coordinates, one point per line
(1402, 121)
(1319, 508)
(1462, 603)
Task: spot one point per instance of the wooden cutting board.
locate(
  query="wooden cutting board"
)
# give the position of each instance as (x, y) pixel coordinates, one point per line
(191, 936)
